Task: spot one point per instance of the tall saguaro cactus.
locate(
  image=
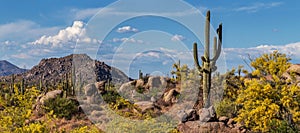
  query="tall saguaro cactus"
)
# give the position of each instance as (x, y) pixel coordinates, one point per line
(208, 64)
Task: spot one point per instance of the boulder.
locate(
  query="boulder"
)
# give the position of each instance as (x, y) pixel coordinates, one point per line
(139, 83)
(223, 119)
(156, 82)
(50, 95)
(293, 68)
(206, 127)
(94, 99)
(96, 113)
(127, 86)
(230, 123)
(170, 96)
(207, 114)
(187, 115)
(144, 105)
(100, 86)
(90, 89)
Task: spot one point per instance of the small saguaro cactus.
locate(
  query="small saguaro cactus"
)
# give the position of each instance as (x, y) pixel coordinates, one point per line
(22, 87)
(140, 74)
(73, 80)
(12, 90)
(40, 86)
(208, 64)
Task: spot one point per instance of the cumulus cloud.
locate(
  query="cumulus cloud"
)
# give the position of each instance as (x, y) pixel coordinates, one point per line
(178, 38)
(73, 34)
(127, 40)
(126, 29)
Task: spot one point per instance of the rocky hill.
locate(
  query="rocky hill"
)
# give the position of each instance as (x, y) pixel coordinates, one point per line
(53, 70)
(7, 68)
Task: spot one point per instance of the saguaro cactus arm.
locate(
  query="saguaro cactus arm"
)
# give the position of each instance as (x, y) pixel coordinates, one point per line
(196, 60)
(217, 44)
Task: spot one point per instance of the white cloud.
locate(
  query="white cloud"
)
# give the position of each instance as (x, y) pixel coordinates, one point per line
(149, 54)
(178, 38)
(23, 30)
(21, 56)
(69, 35)
(89, 12)
(80, 14)
(258, 6)
(292, 50)
(126, 29)
(127, 40)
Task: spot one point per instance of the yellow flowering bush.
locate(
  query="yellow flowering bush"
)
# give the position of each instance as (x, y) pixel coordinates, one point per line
(17, 109)
(269, 103)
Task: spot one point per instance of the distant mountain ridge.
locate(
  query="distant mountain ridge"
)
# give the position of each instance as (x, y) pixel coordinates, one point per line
(7, 68)
(53, 70)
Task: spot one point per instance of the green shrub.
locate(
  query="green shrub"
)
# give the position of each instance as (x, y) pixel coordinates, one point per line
(86, 129)
(34, 128)
(226, 108)
(62, 107)
(281, 127)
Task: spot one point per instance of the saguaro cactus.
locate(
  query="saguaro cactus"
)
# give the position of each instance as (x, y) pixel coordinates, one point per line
(208, 64)
(22, 87)
(12, 90)
(140, 74)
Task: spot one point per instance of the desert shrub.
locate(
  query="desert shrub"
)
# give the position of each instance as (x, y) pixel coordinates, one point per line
(17, 109)
(62, 107)
(86, 129)
(34, 128)
(267, 102)
(121, 124)
(281, 127)
(233, 83)
(110, 96)
(226, 108)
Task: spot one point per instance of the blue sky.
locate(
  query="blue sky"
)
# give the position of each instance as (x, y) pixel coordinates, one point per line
(31, 30)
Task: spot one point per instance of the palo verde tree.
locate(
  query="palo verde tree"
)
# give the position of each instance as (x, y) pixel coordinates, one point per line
(270, 102)
(208, 64)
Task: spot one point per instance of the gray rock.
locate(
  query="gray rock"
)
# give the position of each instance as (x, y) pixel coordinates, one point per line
(144, 105)
(153, 99)
(156, 82)
(207, 114)
(50, 95)
(90, 89)
(127, 86)
(182, 116)
(187, 115)
(96, 113)
(94, 99)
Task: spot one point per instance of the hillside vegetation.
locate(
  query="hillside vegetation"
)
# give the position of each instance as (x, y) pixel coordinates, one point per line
(264, 100)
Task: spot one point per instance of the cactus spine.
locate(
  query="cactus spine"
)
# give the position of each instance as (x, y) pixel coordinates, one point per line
(208, 64)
